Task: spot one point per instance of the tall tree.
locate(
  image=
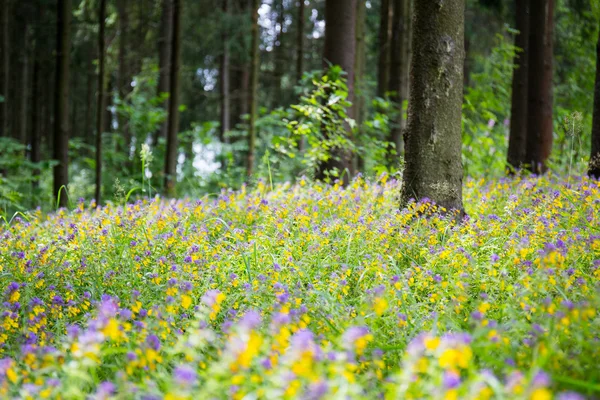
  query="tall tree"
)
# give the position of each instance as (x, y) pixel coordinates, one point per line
(279, 55)
(385, 33)
(517, 142)
(398, 75)
(300, 41)
(594, 168)
(61, 101)
(253, 93)
(4, 66)
(224, 76)
(123, 73)
(173, 127)
(359, 72)
(165, 39)
(100, 100)
(340, 49)
(539, 105)
(433, 138)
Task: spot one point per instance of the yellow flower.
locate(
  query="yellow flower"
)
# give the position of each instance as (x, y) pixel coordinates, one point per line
(112, 329)
(453, 358)
(541, 394)
(186, 301)
(380, 305)
(432, 343)
(11, 375)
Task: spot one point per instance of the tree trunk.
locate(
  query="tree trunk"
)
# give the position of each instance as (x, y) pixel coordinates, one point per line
(300, 42)
(253, 93)
(517, 141)
(594, 168)
(539, 105)
(383, 66)
(89, 100)
(173, 127)
(61, 101)
(4, 66)
(123, 74)
(433, 139)
(398, 76)
(24, 86)
(36, 120)
(339, 49)
(100, 101)
(224, 78)
(164, 62)
(359, 69)
(279, 56)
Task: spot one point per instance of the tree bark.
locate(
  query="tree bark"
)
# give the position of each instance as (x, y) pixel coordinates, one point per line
(594, 167)
(100, 101)
(339, 49)
(36, 120)
(433, 139)
(123, 74)
(359, 70)
(224, 78)
(4, 67)
(253, 93)
(383, 66)
(61, 102)
(300, 41)
(539, 105)
(164, 62)
(517, 141)
(173, 127)
(279, 56)
(398, 76)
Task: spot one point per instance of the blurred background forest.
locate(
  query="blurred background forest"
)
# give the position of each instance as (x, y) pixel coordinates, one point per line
(122, 55)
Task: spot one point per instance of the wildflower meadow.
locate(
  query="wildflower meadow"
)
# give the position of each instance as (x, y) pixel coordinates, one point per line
(309, 291)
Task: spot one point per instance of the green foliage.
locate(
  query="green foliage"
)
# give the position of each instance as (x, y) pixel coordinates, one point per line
(19, 179)
(486, 111)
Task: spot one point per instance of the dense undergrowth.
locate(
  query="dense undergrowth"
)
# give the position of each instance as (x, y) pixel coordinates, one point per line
(309, 291)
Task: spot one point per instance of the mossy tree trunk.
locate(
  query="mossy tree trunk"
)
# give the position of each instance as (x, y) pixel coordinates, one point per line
(594, 169)
(539, 106)
(517, 142)
(173, 122)
(61, 101)
(433, 137)
(253, 93)
(339, 49)
(385, 34)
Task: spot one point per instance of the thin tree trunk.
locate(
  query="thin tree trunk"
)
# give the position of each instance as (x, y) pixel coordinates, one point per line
(61, 102)
(407, 59)
(539, 106)
(433, 139)
(517, 141)
(594, 167)
(340, 25)
(123, 77)
(4, 66)
(385, 33)
(279, 56)
(224, 79)
(300, 42)
(253, 93)
(398, 77)
(36, 120)
(24, 87)
(164, 62)
(171, 154)
(547, 122)
(89, 101)
(100, 101)
(359, 69)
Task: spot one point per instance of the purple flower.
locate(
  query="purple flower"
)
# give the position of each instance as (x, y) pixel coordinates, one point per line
(250, 320)
(184, 375)
(451, 379)
(210, 297)
(105, 390)
(153, 342)
(540, 379)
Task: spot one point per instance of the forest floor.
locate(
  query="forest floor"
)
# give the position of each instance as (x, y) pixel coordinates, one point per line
(308, 291)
